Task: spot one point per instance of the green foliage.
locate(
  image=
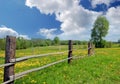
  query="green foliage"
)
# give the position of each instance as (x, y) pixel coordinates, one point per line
(64, 42)
(22, 43)
(100, 44)
(2, 44)
(41, 42)
(108, 44)
(119, 45)
(48, 42)
(100, 30)
(56, 41)
(119, 41)
(75, 42)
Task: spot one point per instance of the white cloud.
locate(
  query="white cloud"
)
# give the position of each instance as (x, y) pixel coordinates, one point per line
(7, 31)
(94, 3)
(77, 24)
(24, 36)
(49, 7)
(47, 33)
(76, 21)
(4, 31)
(113, 16)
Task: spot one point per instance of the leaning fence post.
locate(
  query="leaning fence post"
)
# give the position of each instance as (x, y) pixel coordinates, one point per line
(9, 54)
(89, 48)
(70, 51)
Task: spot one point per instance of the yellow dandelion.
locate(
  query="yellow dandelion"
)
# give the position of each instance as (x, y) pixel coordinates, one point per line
(44, 83)
(33, 81)
(1, 72)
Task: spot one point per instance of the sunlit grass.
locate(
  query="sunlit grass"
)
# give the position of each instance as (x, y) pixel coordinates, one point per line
(102, 68)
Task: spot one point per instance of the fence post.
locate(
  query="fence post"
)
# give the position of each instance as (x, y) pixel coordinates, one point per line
(89, 48)
(9, 54)
(70, 51)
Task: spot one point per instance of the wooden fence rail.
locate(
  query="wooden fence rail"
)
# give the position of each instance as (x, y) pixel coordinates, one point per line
(10, 60)
(19, 75)
(7, 64)
(15, 60)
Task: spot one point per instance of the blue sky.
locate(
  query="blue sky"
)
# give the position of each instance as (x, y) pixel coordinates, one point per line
(67, 19)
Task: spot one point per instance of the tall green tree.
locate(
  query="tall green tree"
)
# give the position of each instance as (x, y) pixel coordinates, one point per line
(100, 30)
(119, 41)
(56, 41)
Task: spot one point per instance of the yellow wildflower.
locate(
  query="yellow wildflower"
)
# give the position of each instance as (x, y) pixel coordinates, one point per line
(33, 81)
(44, 83)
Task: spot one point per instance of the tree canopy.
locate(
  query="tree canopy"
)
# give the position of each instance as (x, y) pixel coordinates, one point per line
(56, 40)
(119, 41)
(100, 30)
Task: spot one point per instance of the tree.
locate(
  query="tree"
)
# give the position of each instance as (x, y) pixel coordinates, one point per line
(48, 42)
(119, 41)
(100, 30)
(22, 43)
(56, 40)
(2, 44)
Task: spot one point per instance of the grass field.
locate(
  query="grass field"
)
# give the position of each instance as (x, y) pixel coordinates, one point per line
(102, 68)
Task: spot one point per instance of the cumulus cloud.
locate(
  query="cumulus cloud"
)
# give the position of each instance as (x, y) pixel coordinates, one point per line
(7, 31)
(76, 21)
(47, 33)
(113, 16)
(50, 7)
(94, 3)
(4, 31)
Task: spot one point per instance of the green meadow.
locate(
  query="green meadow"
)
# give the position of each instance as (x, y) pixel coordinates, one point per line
(101, 68)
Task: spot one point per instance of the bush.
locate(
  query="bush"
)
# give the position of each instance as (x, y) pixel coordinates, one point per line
(108, 44)
(2, 44)
(119, 45)
(100, 44)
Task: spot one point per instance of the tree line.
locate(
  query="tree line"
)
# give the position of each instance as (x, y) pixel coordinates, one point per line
(22, 43)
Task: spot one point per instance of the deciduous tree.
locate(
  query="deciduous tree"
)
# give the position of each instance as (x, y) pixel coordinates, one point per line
(100, 30)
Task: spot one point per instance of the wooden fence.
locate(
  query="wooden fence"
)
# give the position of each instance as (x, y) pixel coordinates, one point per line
(10, 60)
